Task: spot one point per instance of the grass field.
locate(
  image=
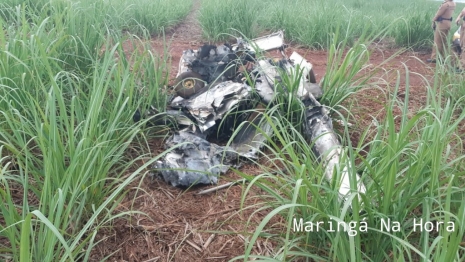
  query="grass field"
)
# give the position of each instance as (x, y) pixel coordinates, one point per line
(313, 23)
(68, 93)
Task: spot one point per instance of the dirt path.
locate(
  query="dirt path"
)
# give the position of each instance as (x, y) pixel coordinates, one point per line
(186, 35)
(189, 29)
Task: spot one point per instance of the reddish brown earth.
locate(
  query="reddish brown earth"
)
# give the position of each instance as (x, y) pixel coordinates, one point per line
(179, 225)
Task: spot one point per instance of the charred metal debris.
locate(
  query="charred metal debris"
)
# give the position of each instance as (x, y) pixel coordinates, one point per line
(220, 93)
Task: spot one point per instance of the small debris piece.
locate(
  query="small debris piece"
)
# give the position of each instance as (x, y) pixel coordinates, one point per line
(209, 240)
(194, 245)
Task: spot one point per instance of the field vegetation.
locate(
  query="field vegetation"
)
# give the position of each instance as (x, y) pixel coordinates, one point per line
(67, 97)
(68, 93)
(312, 22)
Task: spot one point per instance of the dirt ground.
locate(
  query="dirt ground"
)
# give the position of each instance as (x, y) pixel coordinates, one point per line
(180, 225)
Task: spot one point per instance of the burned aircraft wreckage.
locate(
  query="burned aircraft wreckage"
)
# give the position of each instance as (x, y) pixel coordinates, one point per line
(213, 98)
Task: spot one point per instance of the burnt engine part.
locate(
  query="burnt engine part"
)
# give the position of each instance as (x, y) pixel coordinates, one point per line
(215, 63)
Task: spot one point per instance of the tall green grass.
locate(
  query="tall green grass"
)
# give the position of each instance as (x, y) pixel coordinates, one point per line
(219, 19)
(312, 22)
(414, 29)
(450, 82)
(67, 97)
(138, 17)
(153, 16)
(67, 158)
(411, 163)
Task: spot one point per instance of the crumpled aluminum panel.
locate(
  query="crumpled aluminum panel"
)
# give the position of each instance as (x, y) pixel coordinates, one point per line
(194, 161)
(264, 43)
(305, 84)
(326, 146)
(270, 73)
(209, 106)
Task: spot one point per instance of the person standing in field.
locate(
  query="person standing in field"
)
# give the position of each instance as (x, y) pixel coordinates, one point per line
(441, 26)
(460, 21)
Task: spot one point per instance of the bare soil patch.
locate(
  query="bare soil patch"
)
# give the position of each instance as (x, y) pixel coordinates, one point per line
(179, 225)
